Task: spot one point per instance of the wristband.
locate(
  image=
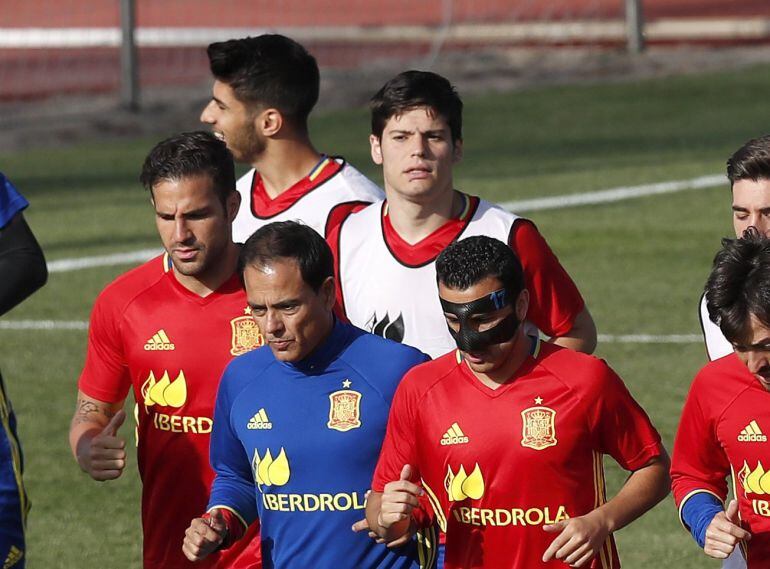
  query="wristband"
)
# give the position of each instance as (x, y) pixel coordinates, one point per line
(697, 513)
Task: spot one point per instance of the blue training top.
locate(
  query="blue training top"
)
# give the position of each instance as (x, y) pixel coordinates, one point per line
(11, 201)
(304, 439)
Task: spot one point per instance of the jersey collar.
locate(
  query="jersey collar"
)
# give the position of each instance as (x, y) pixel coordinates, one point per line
(426, 250)
(263, 206)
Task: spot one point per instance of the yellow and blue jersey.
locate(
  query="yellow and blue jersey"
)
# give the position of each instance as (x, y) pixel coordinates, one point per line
(296, 446)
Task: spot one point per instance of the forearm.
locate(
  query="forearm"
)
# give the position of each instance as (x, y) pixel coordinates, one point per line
(582, 335)
(643, 490)
(90, 417)
(21, 263)
(391, 533)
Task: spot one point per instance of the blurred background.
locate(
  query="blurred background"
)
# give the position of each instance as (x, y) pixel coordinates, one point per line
(607, 122)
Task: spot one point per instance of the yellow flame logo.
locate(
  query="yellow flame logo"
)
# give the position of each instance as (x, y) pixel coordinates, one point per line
(269, 471)
(461, 485)
(165, 392)
(755, 481)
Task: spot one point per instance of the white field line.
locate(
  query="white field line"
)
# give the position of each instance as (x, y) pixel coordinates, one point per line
(603, 338)
(43, 325)
(614, 194)
(553, 202)
(65, 265)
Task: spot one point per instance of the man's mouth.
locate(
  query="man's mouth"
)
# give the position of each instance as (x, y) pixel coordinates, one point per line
(185, 253)
(218, 135)
(281, 344)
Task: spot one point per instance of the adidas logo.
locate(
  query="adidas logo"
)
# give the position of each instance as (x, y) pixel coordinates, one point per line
(454, 436)
(158, 342)
(14, 556)
(259, 421)
(751, 433)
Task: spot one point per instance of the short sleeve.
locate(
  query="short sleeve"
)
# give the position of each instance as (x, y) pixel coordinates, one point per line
(699, 462)
(105, 375)
(555, 301)
(624, 430)
(399, 446)
(11, 201)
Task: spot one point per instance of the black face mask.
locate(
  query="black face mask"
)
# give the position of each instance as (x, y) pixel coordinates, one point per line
(469, 340)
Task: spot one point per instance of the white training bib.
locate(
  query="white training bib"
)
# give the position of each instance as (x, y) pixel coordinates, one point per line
(313, 208)
(393, 300)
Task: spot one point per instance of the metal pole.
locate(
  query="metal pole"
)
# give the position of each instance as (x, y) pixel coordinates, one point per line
(129, 64)
(634, 26)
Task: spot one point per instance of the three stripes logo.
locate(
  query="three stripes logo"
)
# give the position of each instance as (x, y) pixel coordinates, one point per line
(751, 433)
(454, 436)
(259, 421)
(159, 342)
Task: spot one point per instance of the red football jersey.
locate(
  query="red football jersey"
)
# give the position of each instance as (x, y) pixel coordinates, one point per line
(149, 332)
(723, 433)
(498, 464)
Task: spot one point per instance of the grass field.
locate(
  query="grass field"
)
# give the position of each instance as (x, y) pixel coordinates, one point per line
(640, 264)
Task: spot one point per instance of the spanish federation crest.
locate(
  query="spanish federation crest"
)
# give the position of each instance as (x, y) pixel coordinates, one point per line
(538, 429)
(246, 335)
(344, 409)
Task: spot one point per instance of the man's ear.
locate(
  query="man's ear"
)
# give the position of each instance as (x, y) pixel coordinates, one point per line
(457, 152)
(233, 203)
(376, 149)
(328, 292)
(269, 122)
(522, 305)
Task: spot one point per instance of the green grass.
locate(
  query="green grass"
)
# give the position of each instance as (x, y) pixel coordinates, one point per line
(640, 265)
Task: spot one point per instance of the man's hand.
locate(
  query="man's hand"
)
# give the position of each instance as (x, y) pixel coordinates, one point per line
(579, 541)
(104, 457)
(724, 532)
(399, 498)
(204, 536)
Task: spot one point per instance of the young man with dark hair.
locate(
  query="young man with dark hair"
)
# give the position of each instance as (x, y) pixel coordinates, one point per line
(23, 271)
(265, 87)
(748, 171)
(167, 329)
(727, 413)
(300, 422)
(505, 435)
(386, 252)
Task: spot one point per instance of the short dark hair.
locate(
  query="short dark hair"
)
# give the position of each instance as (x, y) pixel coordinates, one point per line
(270, 70)
(739, 284)
(464, 263)
(412, 89)
(290, 240)
(751, 161)
(187, 155)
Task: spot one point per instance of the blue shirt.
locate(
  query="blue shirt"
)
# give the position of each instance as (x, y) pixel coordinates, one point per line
(296, 445)
(11, 201)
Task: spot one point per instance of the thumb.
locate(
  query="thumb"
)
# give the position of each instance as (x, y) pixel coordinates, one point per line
(217, 521)
(732, 512)
(406, 473)
(557, 527)
(112, 427)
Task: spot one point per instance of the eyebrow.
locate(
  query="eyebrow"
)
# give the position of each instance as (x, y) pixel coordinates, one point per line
(282, 304)
(745, 209)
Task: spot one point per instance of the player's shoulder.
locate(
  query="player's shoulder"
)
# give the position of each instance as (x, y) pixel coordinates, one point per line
(361, 187)
(243, 369)
(362, 221)
(583, 373)
(723, 378)
(133, 283)
(380, 354)
(423, 377)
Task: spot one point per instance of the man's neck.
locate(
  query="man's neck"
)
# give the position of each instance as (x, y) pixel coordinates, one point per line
(284, 163)
(204, 285)
(506, 372)
(414, 220)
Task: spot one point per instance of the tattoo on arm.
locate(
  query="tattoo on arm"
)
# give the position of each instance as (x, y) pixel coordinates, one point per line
(88, 412)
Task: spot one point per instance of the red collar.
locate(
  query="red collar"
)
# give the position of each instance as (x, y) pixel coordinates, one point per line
(263, 206)
(426, 250)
